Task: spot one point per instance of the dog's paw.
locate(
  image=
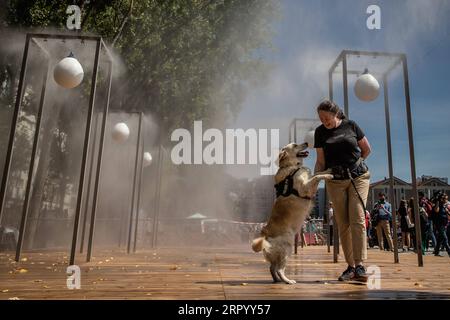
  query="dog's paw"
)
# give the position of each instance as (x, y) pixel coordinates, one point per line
(291, 282)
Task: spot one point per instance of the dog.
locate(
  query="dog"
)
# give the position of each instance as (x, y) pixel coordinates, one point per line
(296, 187)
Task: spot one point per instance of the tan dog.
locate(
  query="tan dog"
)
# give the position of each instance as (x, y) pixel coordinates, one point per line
(295, 198)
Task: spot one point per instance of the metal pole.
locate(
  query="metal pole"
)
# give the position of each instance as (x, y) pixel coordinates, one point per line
(329, 227)
(141, 172)
(295, 132)
(413, 162)
(157, 195)
(99, 165)
(391, 171)
(344, 78)
(122, 208)
(85, 150)
(290, 131)
(130, 227)
(12, 133)
(86, 204)
(29, 187)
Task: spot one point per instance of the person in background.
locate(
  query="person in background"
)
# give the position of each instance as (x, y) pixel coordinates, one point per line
(447, 205)
(384, 213)
(403, 214)
(426, 204)
(442, 212)
(412, 219)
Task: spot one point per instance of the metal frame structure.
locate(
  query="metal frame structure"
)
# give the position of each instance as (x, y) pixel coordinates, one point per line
(399, 58)
(138, 167)
(99, 45)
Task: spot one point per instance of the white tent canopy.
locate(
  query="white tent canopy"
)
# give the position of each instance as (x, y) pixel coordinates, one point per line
(197, 215)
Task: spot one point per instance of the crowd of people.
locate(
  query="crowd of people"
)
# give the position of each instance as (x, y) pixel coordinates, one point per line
(434, 216)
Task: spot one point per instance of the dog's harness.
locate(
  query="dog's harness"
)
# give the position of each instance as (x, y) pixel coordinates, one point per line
(285, 187)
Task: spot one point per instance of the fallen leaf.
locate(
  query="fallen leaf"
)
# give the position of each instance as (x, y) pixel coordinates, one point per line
(244, 283)
(148, 294)
(14, 298)
(24, 259)
(46, 287)
(6, 290)
(23, 270)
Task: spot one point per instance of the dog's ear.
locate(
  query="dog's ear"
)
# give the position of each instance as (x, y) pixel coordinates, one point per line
(283, 155)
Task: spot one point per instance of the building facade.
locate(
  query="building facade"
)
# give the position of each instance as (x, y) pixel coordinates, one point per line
(403, 190)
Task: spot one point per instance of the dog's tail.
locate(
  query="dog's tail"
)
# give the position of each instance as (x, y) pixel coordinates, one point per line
(259, 243)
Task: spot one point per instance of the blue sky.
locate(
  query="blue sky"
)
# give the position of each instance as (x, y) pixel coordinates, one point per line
(309, 36)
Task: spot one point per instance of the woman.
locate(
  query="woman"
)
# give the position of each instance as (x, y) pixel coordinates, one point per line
(412, 219)
(342, 146)
(442, 213)
(403, 212)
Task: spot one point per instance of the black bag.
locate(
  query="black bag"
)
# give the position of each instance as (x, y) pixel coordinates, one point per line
(342, 173)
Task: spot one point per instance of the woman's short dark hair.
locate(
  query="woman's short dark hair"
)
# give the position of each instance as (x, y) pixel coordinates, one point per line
(330, 106)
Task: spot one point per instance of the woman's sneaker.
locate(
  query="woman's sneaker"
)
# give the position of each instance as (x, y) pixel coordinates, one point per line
(360, 274)
(348, 274)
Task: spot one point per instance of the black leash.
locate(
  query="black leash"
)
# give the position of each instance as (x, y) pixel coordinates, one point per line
(354, 186)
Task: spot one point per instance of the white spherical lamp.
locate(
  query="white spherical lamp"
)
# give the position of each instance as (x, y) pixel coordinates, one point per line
(309, 138)
(68, 73)
(367, 87)
(147, 159)
(121, 132)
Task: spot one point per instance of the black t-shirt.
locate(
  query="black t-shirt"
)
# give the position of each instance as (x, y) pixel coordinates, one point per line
(340, 145)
